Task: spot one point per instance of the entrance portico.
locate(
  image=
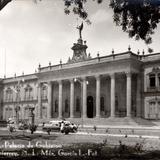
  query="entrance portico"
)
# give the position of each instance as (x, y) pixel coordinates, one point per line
(93, 96)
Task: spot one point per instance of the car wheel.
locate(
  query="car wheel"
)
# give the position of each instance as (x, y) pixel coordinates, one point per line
(66, 132)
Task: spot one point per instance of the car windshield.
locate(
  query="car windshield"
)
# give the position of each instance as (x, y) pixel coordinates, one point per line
(54, 122)
(67, 122)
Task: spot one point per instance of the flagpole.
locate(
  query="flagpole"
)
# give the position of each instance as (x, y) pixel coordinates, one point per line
(5, 62)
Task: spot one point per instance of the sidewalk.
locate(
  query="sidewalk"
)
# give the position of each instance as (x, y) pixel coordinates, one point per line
(107, 135)
(120, 127)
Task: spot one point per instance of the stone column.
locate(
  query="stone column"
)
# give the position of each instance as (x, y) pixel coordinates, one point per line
(84, 98)
(157, 81)
(60, 100)
(112, 95)
(71, 98)
(98, 96)
(138, 96)
(49, 110)
(13, 111)
(39, 101)
(128, 92)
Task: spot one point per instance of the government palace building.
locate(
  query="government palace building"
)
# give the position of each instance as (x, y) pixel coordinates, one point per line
(117, 85)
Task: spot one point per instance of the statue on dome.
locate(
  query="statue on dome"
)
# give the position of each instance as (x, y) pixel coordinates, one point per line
(80, 28)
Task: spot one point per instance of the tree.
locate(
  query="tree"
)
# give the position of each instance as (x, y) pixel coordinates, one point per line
(3, 3)
(139, 18)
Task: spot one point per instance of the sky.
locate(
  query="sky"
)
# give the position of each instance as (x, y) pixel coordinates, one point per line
(39, 33)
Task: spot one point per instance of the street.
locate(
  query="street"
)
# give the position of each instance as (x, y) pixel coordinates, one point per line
(112, 137)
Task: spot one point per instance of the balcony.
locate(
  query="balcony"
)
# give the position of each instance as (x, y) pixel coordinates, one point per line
(8, 100)
(153, 89)
(44, 97)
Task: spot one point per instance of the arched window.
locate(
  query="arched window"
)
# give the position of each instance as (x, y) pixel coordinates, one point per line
(9, 112)
(56, 105)
(102, 103)
(26, 112)
(44, 92)
(77, 104)
(66, 105)
(28, 93)
(9, 94)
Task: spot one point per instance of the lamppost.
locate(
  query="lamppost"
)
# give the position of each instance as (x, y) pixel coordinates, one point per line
(81, 83)
(17, 109)
(31, 115)
(17, 106)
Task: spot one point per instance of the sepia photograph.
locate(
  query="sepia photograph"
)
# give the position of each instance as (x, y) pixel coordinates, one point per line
(80, 79)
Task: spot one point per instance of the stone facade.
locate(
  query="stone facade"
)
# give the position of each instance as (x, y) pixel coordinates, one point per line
(117, 85)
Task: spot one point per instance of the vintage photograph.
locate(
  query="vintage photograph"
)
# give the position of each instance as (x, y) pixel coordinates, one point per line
(80, 79)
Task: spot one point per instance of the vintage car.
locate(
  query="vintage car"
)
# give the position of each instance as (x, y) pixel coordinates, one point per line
(11, 123)
(56, 126)
(23, 126)
(52, 126)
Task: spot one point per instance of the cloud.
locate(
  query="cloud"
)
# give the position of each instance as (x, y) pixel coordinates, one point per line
(100, 16)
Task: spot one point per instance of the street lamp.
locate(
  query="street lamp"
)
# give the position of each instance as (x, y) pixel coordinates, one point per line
(17, 107)
(31, 115)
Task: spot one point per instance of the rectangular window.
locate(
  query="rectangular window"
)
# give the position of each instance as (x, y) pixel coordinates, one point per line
(9, 95)
(28, 94)
(152, 80)
(44, 93)
(159, 80)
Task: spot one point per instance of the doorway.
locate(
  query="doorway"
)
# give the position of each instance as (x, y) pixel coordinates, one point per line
(90, 107)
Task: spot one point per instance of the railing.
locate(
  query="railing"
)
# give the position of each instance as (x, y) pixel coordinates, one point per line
(153, 89)
(8, 100)
(28, 98)
(153, 116)
(44, 97)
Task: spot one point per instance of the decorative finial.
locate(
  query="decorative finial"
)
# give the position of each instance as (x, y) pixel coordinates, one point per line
(98, 54)
(129, 48)
(22, 73)
(49, 63)
(60, 61)
(39, 65)
(4, 76)
(112, 51)
(143, 52)
(15, 75)
(138, 52)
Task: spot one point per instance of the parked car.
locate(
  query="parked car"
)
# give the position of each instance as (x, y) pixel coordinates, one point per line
(52, 126)
(23, 126)
(72, 127)
(61, 125)
(11, 123)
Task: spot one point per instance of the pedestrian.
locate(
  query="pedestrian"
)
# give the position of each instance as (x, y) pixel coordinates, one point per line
(62, 127)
